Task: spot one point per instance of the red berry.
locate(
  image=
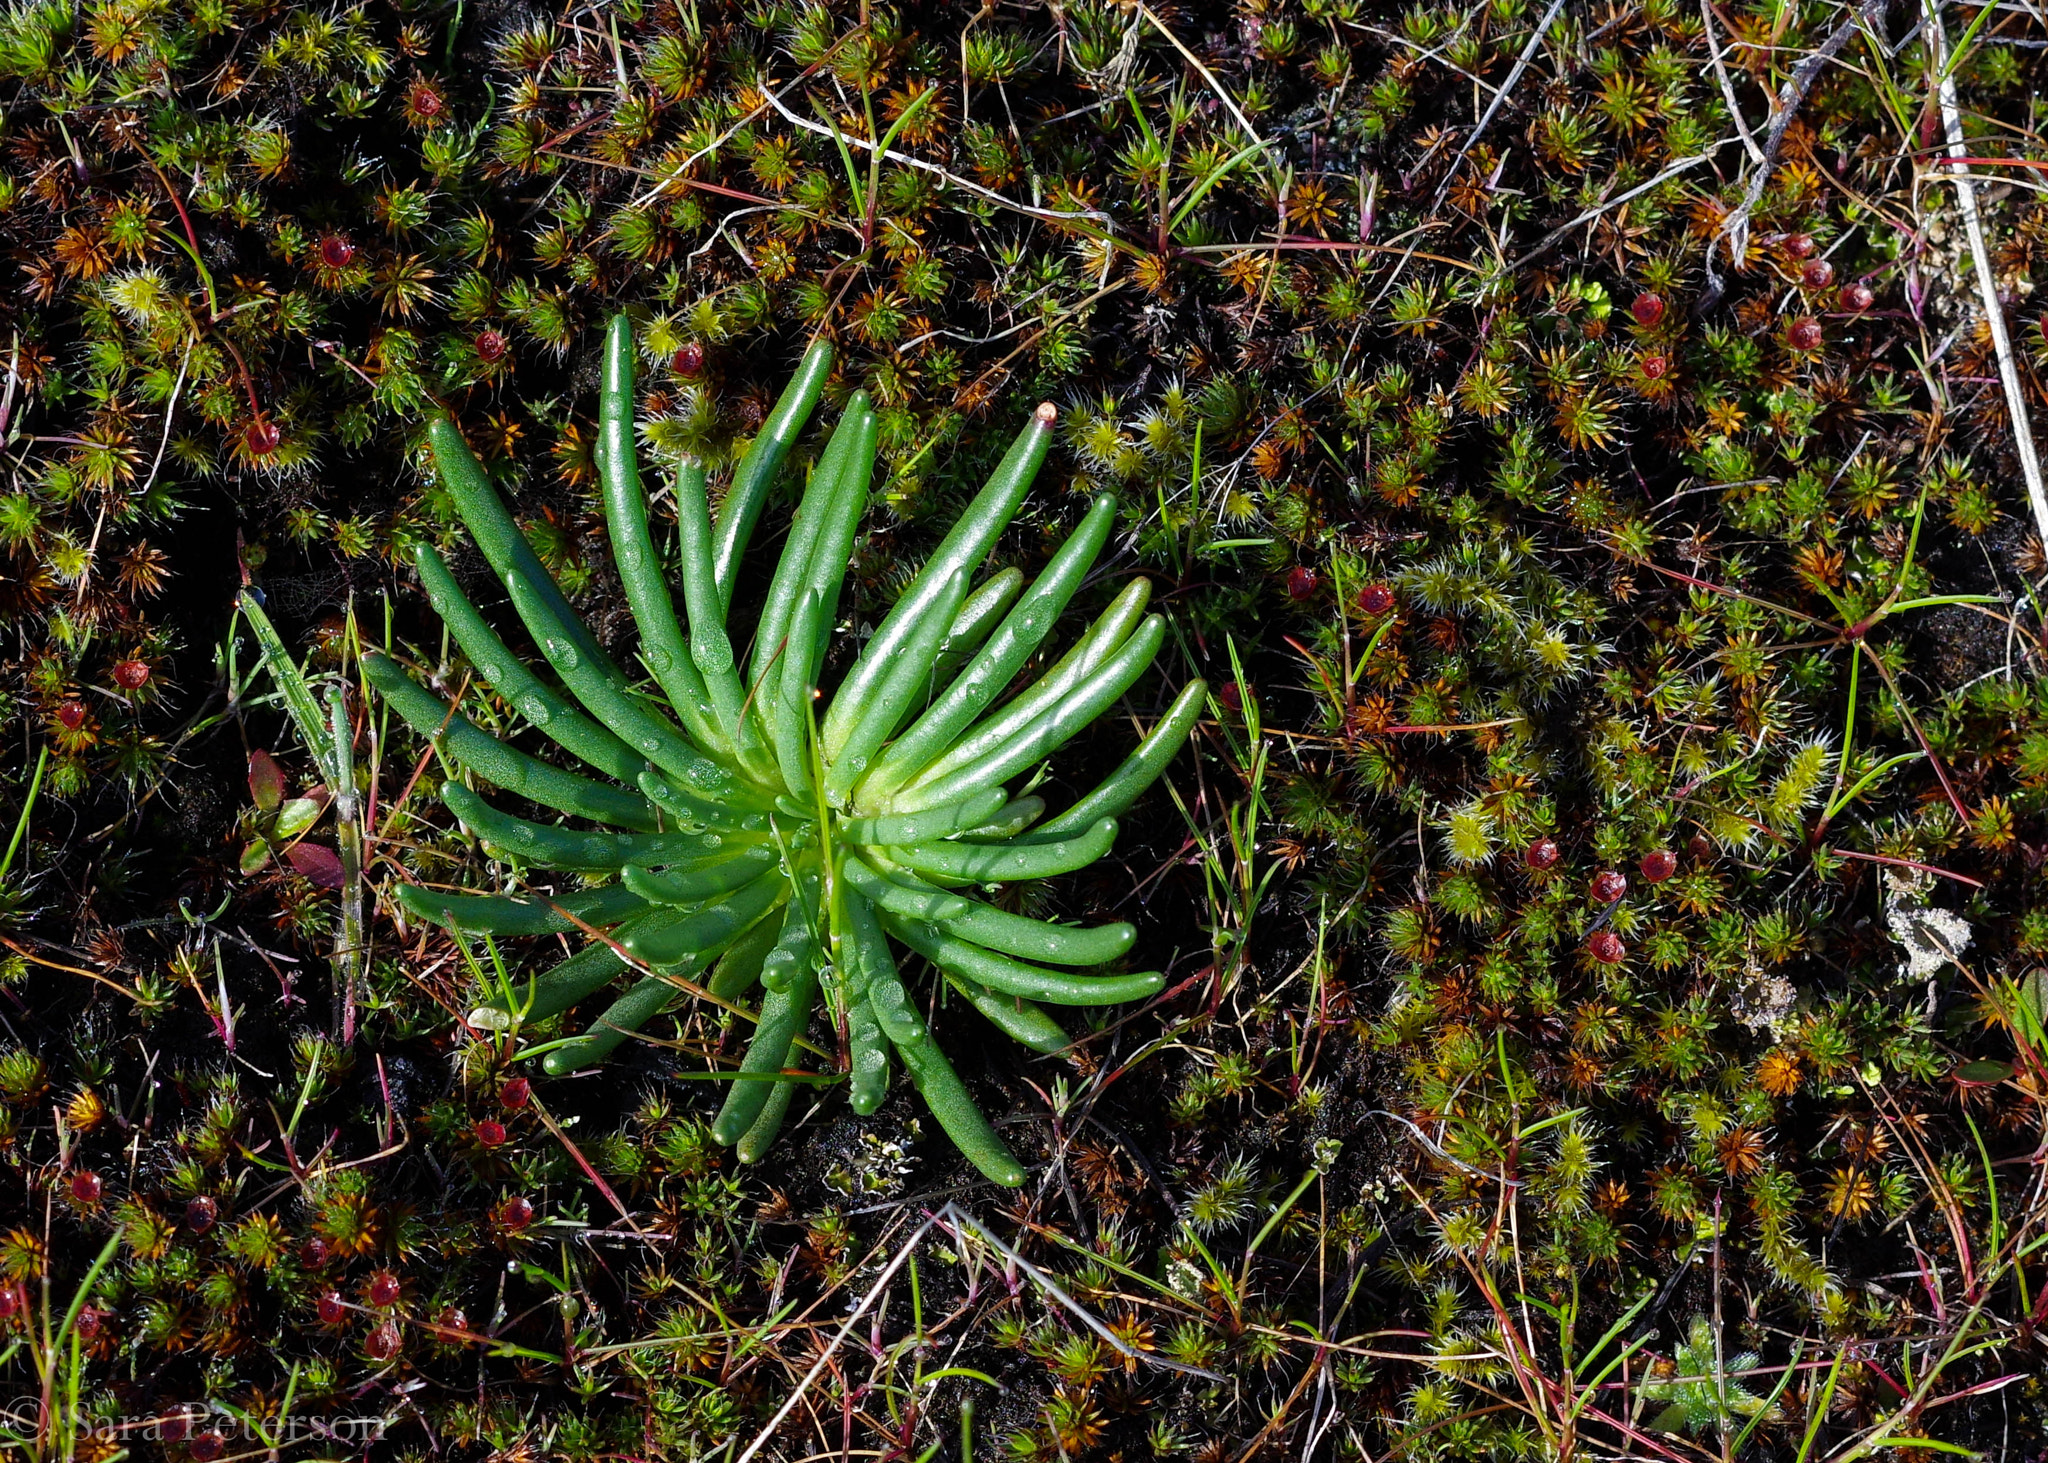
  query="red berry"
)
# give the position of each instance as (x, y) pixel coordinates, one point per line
(1799, 246)
(200, 1214)
(382, 1343)
(1375, 599)
(262, 438)
(516, 1212)
(688, 360)
(384, 1289)
(1804, 334)
(174, 1427)
(332, 1308)
(1656, 366)
(1542, 854)
(71, 715)
(491, 346)
(337, 252)
(1658, 865)
(1857, 298)
(1301, 583)
(490, 1133)
(452, 1319)
(1648, 308)
(1817, 275)
(90, 1320)
(516, 1093)
(86, 1187)
(315, 1252)
(1608, 886)
(10, 1301)
(207, 1447)
(1230, 696)
(1606, 947)
(131, 675)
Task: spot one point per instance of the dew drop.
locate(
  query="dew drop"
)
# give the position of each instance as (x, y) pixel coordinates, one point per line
(439, 602)
(536, 710)
(658, 659)
(714, 840)
(629, 557)
(650, 745)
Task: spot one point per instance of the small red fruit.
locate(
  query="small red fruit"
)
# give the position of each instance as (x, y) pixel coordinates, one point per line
(1700, 846)
(1799, 246)
(1804, 334)
(10, 1301)
(262, 438)
(454, 1318)
(1817, 275)
(1608, 886)
(1542, 854)
(491, 346)
(86, 1187)
(516, 1212)
(1230, 696)
(1656, 366)
(90, 1320)
(688, 360)
(332, 1308)
(207, 1447)
(1606, 947)
(382, 1343)
(490, 1133)
(200, 1214)
(174, 1428)
(1375, 599)
(337, 252)
(131, 675)
(315, 1252)
(71, 715)
(384, 1289)
(1301, 583)
(1658, 865)
(1856, 298)
(1648, 308)
(516, 1093)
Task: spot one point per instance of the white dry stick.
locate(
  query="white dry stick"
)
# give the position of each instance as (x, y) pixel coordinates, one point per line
(825, 1357)
(1994, 312)
(1500, 97)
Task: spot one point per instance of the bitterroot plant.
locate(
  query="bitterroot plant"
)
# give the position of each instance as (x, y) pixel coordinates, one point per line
(764, 840)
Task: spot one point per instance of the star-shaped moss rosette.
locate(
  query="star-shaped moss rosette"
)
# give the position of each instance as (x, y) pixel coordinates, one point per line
(763, 840)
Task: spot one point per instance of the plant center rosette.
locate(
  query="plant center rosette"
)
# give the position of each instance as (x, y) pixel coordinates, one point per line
(755, 834)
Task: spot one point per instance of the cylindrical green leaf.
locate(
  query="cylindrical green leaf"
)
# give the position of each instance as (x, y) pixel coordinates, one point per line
(1000, 863)
(1015, 1017)
(1102, 640)
(1000, 973)
(940, 1087)
(553, 716)
(683, 942)
(755, 475)
(893, 697)
(525, 914)
(625, 506)
(970, 812)
(642, 1002)
(793, 570)
(1054, 727)
(506, 549)
(564, 848)
(962, 549)
(507, 767)
(700, 882)
(990, 672)
(1137, 772)
(783, 1017)
(920, 902)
